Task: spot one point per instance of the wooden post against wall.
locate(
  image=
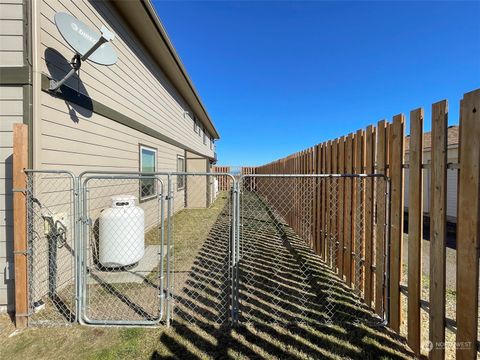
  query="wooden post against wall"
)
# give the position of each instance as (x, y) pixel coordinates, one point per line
(415, 228)
(396, 140)
(468, 226)
(20, 162)
(438, 228)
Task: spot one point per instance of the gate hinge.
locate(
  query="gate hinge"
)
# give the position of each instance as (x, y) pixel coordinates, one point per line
(20, 190)
(23, 252)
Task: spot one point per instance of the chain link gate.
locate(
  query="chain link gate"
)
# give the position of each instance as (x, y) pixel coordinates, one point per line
(305, 243)
(122, 257)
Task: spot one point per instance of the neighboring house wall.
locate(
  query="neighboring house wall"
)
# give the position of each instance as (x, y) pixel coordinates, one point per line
(452, 178)
(12, 55)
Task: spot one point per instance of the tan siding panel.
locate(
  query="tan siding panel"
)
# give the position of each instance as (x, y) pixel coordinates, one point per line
(11, 27)
(11, 42)
(11, 11)
(11, 108)
(133, 86)
(11, 58)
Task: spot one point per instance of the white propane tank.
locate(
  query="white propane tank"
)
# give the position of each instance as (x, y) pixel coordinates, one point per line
(121, 233)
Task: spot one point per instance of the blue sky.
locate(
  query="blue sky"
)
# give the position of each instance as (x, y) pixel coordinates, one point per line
(277, 77)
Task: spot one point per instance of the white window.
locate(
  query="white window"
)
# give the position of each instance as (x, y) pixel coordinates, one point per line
(148, 164)
(180, 168)
(211, 143)
(196, 128)
(205, 135)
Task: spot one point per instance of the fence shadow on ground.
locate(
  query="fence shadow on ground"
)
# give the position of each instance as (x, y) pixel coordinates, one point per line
(286, 286)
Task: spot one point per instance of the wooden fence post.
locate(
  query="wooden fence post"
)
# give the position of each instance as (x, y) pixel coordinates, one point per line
(438, 228)
(468, 227)
(396, 140)
(20, 162)
(415, 228)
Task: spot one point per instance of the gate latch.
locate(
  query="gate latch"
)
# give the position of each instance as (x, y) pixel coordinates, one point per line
(86, 220)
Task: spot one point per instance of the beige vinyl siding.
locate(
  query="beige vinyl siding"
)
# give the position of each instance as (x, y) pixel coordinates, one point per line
(134, 86)
(196, 196)
(11, 33)
(95, 143)
(11, 111)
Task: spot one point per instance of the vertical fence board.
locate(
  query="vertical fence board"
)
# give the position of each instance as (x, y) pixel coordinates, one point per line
(415, 228)
(341, 202)
(396, 140)
(369, 213)
(328, 231)
(468, 226)
(347, 233)
(359, 209)
(438, 228)
(334, 186)
(380, 220)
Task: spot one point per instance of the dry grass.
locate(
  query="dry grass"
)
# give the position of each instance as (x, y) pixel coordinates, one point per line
(199, 331)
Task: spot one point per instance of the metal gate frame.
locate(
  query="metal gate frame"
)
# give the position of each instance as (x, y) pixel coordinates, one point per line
(387, 243)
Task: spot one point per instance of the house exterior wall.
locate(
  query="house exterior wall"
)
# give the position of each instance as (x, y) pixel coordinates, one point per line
(11, 111)
(134, 86)
(197, 193)
(73, 136)
(12, 55)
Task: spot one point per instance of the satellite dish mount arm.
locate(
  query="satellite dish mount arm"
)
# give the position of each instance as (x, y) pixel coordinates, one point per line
(78, 58)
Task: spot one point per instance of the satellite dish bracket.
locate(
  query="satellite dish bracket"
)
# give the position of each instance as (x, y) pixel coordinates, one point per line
(77, 59)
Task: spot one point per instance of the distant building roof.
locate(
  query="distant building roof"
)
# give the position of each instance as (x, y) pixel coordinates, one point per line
(452, 134)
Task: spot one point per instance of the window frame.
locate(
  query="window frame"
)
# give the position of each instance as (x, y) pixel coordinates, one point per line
(196, 127)
(142, 147)
(182, 157)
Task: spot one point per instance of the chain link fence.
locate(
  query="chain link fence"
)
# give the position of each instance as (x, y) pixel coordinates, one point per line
(135, 249)
(51, 199)
(201, 247)
(302, 248)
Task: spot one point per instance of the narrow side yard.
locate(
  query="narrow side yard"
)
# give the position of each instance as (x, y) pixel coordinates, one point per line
(199, 330)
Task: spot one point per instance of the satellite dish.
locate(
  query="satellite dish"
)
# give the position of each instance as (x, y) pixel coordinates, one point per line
(88, 44)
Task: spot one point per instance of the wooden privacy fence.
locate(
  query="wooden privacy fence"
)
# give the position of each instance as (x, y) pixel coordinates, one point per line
(380, 149)
(224, 182)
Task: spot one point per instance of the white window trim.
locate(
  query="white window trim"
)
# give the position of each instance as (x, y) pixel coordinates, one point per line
(144, 147)
(178, 170)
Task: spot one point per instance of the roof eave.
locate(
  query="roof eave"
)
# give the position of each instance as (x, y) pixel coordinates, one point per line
(177, 74)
